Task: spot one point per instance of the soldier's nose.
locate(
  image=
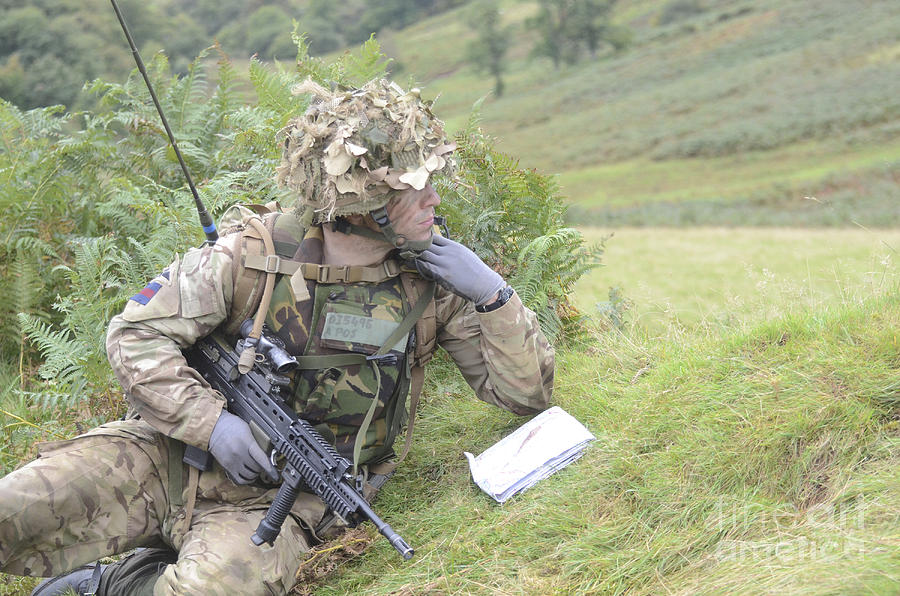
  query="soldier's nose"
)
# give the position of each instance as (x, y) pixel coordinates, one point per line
(431, 198)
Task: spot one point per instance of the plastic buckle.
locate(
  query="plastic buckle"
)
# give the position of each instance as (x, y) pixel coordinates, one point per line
(391, 268)
(273, 264)
(322, 274)
(380, 216)
(386, 359)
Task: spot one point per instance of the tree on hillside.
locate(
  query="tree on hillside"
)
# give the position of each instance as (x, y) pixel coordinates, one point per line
(488, 51)
(590, 25)
(677, 10)
(267, 33)
(567, 27)
(49, 49)
(213, 15)
(392, 14)
(323, 20)
(551, 24)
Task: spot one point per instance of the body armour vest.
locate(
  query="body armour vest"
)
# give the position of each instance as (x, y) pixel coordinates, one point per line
(335, 319)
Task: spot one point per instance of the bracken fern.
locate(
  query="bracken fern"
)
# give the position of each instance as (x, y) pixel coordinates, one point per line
(103, 209)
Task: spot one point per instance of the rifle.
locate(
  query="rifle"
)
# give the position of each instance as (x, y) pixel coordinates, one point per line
(310, 461)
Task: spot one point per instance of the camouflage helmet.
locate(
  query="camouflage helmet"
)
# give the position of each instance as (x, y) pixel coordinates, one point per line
(352, 147)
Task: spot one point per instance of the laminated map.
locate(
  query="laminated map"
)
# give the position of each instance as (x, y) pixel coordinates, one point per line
(548, 442)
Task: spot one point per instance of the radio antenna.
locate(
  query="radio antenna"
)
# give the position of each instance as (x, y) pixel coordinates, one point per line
(209, 226)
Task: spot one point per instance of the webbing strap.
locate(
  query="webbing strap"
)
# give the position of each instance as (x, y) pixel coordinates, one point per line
(408, 321)
(176, 482)
(176, 485)
(364, 427)
(328, 361)
(327, 274)
(193, 482)
(248, 355)
(94, 583)
(409, 249)
(349, 228)
(416, 382)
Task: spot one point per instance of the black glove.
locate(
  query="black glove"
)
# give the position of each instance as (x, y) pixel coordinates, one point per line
(233, 446)
(459, 270)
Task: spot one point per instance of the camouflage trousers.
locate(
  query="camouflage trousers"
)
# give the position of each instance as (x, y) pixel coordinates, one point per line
(123, 486)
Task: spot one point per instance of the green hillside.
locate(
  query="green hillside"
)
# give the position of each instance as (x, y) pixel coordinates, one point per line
(747, 434)
(718, 112)
(738, 114)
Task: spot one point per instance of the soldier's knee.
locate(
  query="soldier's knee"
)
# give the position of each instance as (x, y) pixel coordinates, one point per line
(217, 578)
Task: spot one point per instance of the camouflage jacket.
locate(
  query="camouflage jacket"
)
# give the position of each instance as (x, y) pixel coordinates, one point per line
(502, 354)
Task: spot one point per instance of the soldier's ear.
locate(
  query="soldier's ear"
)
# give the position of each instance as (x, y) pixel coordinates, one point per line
(368, 221)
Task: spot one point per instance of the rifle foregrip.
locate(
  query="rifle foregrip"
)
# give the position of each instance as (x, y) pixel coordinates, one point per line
(270, 526)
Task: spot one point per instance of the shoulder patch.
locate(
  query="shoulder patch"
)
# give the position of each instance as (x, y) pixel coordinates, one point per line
(145, 295)
(160, 297)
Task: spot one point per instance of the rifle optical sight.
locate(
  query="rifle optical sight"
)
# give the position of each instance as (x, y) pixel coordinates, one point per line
(270, 347)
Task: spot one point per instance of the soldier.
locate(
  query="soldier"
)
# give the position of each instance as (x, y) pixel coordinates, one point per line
(355, 256)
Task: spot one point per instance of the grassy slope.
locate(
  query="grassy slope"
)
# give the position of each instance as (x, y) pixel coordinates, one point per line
(748, 105)
(761, 462)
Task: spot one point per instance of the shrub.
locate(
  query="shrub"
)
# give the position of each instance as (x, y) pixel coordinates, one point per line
(678, 10)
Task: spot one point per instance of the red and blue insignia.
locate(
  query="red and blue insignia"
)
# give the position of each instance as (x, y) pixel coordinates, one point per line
(144, 296)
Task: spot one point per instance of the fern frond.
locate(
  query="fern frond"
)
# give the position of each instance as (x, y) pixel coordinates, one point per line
(310, 66)
(59, 349)
(226, 98)
(273, 91)
(514, 222)
(189, 92)
(49, 399)
(367, 63)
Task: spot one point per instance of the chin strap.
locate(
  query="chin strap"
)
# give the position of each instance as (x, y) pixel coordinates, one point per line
(409, 249)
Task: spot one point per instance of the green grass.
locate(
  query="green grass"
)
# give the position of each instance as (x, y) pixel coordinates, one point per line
(747, 410)
(750, 456)
(726, 277)
(724, 178)
(753, 450)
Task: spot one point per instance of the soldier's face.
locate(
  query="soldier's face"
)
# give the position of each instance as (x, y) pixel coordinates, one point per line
(412, 212)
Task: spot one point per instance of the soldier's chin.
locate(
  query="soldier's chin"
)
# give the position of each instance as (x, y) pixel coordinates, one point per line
(418, 246)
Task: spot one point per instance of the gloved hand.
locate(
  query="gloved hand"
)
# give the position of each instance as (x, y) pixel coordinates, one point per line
(459, 270)
(233, 446)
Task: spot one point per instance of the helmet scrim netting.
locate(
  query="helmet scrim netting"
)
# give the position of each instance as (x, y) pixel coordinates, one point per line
(351, 148)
